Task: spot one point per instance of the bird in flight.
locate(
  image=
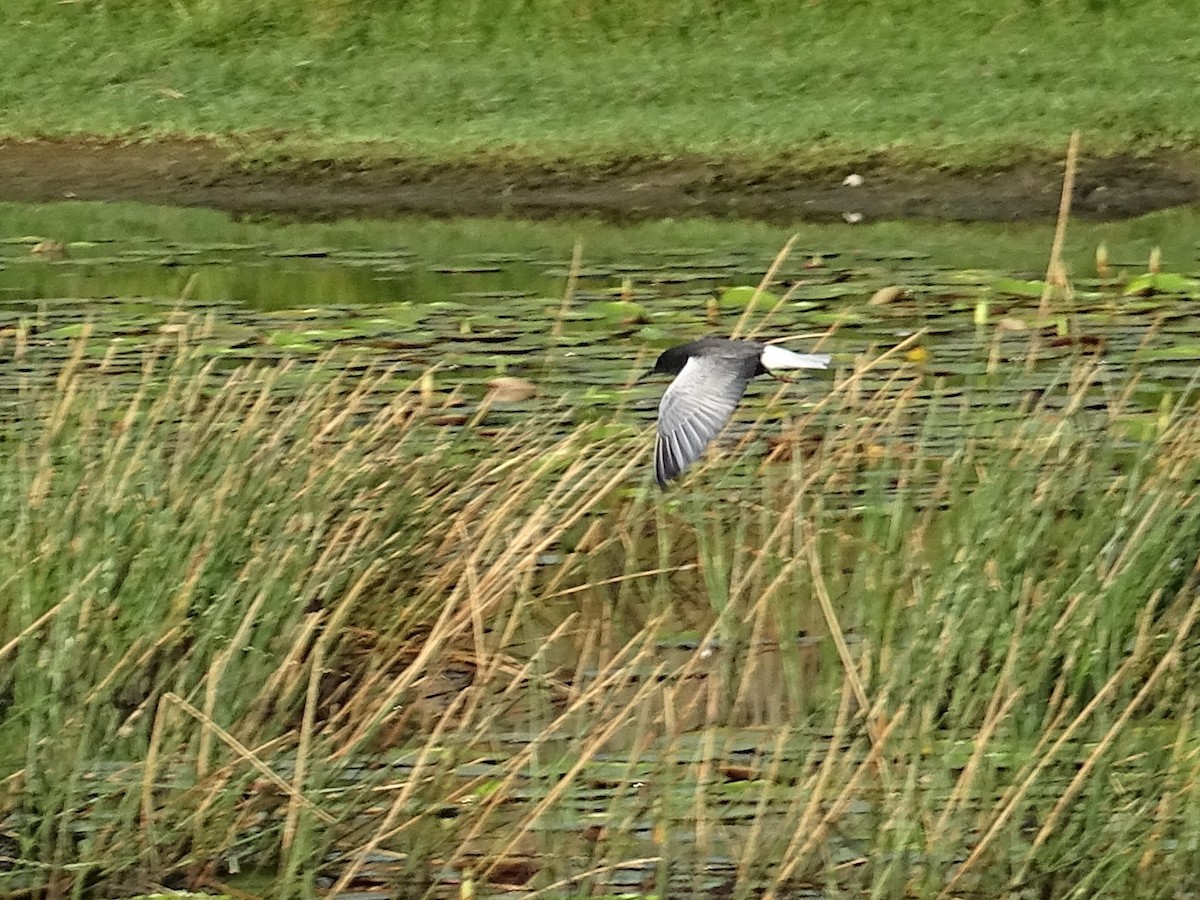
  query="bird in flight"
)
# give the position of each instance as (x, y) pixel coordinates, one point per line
(711, 375)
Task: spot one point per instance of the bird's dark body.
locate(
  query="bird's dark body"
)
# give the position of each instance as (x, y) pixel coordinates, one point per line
(672, 361)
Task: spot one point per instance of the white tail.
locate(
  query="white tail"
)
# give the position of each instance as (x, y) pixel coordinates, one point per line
(775, 357)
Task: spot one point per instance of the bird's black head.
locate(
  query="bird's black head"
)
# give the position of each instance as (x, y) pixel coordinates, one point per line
(670, 362)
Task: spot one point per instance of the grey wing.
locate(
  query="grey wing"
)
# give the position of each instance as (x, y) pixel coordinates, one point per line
(695, 407)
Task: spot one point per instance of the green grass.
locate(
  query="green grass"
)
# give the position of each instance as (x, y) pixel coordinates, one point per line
(808, 84)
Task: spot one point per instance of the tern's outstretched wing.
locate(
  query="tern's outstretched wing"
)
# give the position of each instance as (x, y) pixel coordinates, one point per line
(695, 407)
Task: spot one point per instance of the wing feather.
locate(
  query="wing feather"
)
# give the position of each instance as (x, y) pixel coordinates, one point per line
(694, 409)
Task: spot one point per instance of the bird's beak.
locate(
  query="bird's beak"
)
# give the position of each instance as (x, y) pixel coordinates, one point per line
(645, 376)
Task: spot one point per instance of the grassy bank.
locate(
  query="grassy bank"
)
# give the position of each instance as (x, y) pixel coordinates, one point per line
(810, 84)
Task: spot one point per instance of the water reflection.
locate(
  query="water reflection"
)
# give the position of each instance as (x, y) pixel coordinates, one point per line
(114, 250)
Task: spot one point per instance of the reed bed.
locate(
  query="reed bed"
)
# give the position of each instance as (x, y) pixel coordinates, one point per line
(277, 631)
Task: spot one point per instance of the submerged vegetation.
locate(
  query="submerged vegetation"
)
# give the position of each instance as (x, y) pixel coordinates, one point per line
(809, 84)
(328, 617)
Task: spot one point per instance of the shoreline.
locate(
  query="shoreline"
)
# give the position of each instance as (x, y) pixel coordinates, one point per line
(198, 172)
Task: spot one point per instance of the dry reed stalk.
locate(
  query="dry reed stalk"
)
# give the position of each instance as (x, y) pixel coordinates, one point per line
(762, 285)
(1179, 454)
(888, 406)
(386, 829)
(254, 421)
(303, 748)
(149, 773)
(706, 751)
(640, 647)
(444, 631)
(475, 610)
(758, 614)
(272, 691)
(779, 304)
(1147, 520)
(619, 579)
(819, 336)
(816, 786)
(519, 552)
(64, 384)
(794, 856)
(164, 640)
(372, 700)
(616, 719)
(248, 755)
(737, 589)
(583, 876)
(999, 705)
(878, 414)
(556, 330)
(751, 846)
(66, 388)
(133, 657)
(1008, 804)
(1056, 273)
(36, 625)
(1055, 270)
(740, 584)
(578, 489)
(851, 380)
(537, 532)
(333, 554)
(348, 406)
(520, 678)
(21, 343)
(480, 732)
(1165, 810)
(189, 286)
(1179, 436)
(1168, 659)
(962, 785)
(848, 664)
(216, 670)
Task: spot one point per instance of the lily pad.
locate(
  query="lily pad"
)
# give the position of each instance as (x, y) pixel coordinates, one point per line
(741, 297)
(626, 312)
(1163, 283)
(293, 340)
(1018, 287)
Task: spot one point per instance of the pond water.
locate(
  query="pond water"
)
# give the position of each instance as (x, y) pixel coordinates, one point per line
(133, 250)
(485, 298)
